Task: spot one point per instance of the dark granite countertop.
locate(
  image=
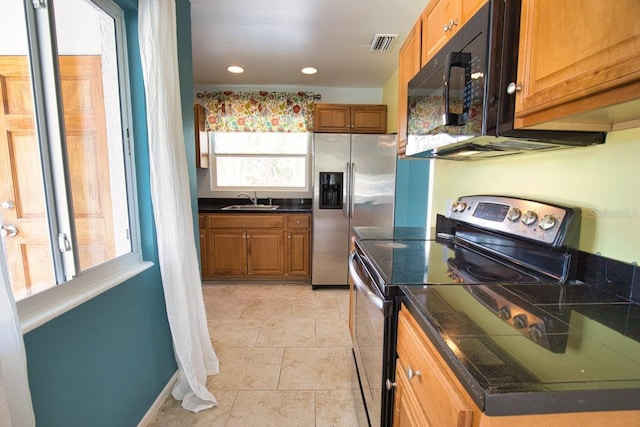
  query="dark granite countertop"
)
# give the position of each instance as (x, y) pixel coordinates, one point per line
(284, 205)
(593, 364)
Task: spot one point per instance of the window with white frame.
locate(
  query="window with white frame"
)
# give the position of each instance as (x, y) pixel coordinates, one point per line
(67, 200)
(267, 160)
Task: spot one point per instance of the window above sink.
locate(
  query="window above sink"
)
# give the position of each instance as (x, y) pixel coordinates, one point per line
(267, 161)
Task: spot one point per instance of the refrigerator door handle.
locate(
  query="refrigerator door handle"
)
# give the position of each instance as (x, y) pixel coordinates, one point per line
(352, 181)
(347, 193)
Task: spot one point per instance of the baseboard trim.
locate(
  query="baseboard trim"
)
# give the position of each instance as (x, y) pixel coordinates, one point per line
(153, 410)
(316, 287)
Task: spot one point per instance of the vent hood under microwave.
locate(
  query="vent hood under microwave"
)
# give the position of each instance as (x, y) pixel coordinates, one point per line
(461, 103)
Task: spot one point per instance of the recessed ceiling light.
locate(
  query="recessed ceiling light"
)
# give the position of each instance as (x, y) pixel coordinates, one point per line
(309, 70)
(235, 69)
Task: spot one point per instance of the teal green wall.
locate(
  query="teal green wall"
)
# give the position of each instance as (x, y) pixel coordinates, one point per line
(106, 361)
(412, 179)
(185, 66)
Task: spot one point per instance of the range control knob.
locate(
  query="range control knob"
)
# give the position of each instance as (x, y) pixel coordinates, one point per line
(535, 333)
(504, 313)
(513, 214)
(520, 321)
(529, 218)
(453, 276)
(548, 222)
(458, 206)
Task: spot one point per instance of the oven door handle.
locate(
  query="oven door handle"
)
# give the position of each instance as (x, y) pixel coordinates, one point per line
(361, 286)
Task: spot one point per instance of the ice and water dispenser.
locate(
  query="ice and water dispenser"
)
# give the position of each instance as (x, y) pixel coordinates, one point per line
(331, 190)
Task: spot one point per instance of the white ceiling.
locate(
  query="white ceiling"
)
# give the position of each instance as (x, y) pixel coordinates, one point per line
(274, 39)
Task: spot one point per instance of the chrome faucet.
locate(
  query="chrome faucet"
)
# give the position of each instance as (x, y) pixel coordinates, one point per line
(253, 199)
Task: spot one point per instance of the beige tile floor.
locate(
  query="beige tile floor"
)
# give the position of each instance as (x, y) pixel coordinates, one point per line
(284, 352)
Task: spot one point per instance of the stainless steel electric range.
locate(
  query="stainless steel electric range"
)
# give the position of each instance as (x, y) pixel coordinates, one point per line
(508, 254)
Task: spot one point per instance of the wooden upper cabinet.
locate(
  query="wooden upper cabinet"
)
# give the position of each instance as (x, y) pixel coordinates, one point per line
(579, 65)
(331, 118)
(441, 20)
(201, 138)
(470, 7)
(368, 119)
(350, 118)
(408, 66)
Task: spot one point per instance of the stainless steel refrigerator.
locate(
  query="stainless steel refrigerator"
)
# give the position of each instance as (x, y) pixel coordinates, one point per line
(354, 185)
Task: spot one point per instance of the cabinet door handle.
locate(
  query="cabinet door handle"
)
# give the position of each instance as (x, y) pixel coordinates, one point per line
(513, 88)
(9, 231)
(411, 373)
(452, 23)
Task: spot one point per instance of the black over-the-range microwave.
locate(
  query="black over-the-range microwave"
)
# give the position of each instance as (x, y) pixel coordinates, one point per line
(461, 103)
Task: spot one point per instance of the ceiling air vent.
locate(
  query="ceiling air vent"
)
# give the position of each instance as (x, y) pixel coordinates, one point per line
(382, 42)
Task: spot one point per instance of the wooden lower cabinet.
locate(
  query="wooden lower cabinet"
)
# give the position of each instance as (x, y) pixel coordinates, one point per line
(204, 253)
(407, 411)
(265, 250)
(245, 252)
(427, 394)
(435, 397)
(227, 252)
(298, 245)
(256, 245)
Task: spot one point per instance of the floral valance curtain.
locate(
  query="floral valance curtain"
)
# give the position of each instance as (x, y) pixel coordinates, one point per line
(258, 111)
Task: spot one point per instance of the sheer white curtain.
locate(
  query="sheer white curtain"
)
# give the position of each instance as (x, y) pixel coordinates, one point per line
(15, 398)
(172, 205)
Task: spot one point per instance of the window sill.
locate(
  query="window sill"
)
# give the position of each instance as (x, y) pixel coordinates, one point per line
(38, 309)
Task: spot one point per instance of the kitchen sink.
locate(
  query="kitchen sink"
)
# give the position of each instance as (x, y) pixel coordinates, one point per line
(250, 208)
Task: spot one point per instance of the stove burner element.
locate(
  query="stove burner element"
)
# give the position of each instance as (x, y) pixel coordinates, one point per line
(493, 273)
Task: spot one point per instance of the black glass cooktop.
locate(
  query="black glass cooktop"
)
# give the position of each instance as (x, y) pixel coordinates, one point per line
(435, 262)
(597, 366)
(390, 233)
